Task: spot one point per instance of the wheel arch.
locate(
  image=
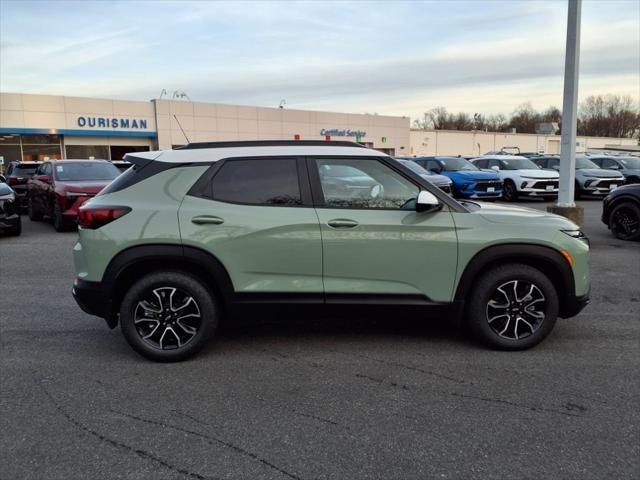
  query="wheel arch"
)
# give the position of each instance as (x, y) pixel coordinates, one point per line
(546, 259)
(134, 262)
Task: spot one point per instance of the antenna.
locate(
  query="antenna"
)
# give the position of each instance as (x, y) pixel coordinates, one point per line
(178, 121)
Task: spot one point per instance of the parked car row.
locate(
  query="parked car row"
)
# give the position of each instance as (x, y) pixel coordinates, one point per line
(56, 189)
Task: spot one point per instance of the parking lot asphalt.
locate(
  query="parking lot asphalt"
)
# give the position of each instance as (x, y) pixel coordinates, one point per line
(321, 399)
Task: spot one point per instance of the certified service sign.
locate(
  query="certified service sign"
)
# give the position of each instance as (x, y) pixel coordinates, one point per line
(342, 132)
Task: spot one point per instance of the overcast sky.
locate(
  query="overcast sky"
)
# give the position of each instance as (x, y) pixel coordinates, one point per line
(387, 57)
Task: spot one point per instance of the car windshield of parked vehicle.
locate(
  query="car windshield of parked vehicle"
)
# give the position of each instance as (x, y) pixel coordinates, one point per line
(24, 170)
(518, 164)
(455, 164)
(415, 167)
(82, 171)
(584, 163)
(630, 162)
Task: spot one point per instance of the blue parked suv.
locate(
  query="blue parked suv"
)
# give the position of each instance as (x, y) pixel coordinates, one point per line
(468, 180)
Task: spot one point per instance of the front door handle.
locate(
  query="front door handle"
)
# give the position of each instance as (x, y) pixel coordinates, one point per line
(342, 223)
(207, 220)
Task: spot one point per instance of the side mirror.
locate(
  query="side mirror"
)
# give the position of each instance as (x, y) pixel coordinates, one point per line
(376, 191)
(435, 170)
(495, 168)
(43, 178)
(3, 179)
(427, 202)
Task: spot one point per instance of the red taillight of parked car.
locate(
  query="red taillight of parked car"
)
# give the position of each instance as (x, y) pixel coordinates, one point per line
(96, 217)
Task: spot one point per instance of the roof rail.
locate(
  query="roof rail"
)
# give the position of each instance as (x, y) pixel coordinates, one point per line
(270, 143)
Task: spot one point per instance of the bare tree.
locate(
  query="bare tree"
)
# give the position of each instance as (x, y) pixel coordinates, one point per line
(601, 115)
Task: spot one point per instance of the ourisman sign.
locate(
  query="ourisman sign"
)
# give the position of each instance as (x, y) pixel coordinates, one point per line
(106, 122)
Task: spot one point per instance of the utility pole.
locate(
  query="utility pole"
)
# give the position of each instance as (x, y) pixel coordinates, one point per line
(566, 205)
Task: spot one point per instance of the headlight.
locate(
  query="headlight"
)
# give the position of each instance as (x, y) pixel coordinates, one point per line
(8, 196)
(588, 182)
(577, 234)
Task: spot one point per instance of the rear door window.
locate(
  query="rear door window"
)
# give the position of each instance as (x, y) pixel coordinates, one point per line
(267, 181)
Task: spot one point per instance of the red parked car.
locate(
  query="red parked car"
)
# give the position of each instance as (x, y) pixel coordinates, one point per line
(60, 187)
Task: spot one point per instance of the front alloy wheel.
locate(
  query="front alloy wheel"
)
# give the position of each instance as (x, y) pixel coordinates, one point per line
(624, 221)
(509, 191)
(516, 309)
(512, 307)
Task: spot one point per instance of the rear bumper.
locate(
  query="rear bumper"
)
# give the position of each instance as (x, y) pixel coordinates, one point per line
(93, 298)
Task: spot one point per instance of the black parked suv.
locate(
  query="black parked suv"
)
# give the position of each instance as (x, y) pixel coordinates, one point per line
(17, 175)
(621, 212)
(9, 216)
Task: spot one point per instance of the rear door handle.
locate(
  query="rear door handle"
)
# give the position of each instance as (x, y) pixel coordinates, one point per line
(207, 220)
(342, 223)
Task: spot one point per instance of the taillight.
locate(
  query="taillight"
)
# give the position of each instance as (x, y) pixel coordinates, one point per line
(12, 181)
(96, 217)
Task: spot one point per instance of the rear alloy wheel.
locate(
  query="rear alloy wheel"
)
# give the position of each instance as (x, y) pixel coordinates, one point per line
(58, 219)
(624, 221)
(168, 316)
(509, 192)
(31, 212)
(514, 307)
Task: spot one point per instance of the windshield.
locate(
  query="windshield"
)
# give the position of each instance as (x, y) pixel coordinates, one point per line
(455, 164)
(518, 164)
(415, 167)
(630, 162)
(79, 171)
(582, 162)
(24, 169)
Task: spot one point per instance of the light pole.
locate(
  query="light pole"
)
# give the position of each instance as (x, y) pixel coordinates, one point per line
(566, 206)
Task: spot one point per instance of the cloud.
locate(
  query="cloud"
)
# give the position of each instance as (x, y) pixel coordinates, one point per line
(395, 58)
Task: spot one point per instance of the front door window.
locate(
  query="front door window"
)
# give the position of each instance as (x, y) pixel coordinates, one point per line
(364, 184)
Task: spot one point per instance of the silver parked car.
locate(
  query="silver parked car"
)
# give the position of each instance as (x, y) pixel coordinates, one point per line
(440, 181)
(590, 178)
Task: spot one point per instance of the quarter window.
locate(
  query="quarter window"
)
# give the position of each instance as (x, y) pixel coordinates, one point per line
(364, 183)
(258, 182)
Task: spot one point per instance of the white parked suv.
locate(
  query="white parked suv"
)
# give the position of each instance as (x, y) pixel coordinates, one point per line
(521, 176)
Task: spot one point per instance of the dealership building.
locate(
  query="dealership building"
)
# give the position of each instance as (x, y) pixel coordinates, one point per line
(40, 127)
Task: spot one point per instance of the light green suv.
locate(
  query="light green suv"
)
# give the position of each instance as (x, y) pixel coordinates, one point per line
(188, 236)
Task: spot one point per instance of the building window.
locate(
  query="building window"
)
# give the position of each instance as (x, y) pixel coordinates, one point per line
(41, 139)
(87, 152)
(10, 149)
(41, 152)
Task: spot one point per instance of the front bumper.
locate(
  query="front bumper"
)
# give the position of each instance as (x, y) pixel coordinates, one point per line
(602, 187)
(9, 223)
(573, 305)
(93, 298)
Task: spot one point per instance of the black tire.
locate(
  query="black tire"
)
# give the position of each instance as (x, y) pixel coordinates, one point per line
(31, 212)
(624, 221)
(157, 285)
(526, 330)
(510, 192)
(17, 230)
(57, 218)
(577, 194)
